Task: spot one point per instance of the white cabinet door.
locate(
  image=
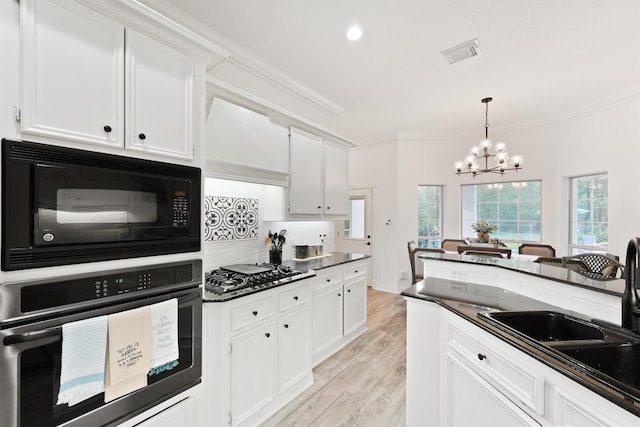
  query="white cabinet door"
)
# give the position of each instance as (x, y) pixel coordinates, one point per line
(159, 87)
(294, 348)
(180, 414)
(72, 73)
(253, 371)
(355, 305)
(336, 179)
(306, 168)
(472, 401)
(327, 318)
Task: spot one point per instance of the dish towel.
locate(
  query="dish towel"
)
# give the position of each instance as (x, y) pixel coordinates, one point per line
(84, 346)
(164, 336)
(128, 352)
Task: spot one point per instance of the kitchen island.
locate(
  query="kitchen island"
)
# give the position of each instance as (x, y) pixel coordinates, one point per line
(465, 370)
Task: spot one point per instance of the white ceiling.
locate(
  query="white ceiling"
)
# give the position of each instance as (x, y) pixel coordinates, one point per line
(541, 58)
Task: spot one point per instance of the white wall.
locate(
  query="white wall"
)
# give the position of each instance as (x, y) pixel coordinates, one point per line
(254, 251)
(377, 167)
(605, 138)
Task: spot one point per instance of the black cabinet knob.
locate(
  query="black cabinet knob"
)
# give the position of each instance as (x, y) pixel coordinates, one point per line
(481, 356)
(319, 207)
(328, 207)
(348, 290)
(255, 313)
(267, 335)
(356, 271)
(286, 325)
(142, 136)
(368, 243)
(328, 280)
(295, 298)
(107, 128)
(339, 295)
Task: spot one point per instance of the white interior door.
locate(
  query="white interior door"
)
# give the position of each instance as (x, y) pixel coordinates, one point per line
(354, 234)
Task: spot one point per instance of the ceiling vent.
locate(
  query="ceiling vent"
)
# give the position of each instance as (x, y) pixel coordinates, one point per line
(462, 51)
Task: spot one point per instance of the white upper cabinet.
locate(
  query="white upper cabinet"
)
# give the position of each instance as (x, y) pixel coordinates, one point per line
(245, 143)
(159, 88)
(306, 166)
(82, 70)
(72, 73)
(336, 179)
(318, 184)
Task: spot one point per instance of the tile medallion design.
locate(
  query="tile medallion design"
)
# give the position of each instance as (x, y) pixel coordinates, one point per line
(230, 218)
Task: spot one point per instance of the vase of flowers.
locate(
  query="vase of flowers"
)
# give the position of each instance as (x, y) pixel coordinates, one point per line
(483, 229)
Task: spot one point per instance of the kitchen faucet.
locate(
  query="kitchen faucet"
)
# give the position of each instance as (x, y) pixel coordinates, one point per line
(630, 300)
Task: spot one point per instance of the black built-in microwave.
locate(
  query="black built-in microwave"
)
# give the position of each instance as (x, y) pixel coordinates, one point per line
(65, 206)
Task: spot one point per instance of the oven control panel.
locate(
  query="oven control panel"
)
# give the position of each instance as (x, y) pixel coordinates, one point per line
(95, 286)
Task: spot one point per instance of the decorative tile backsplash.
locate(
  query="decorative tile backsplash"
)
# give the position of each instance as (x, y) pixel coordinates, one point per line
(230, 218)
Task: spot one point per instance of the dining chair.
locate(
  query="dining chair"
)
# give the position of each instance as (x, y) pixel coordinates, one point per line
(451, 245)
(597, 266)
(484, 253)
(502, 250)
(537, 249)
(417, 273)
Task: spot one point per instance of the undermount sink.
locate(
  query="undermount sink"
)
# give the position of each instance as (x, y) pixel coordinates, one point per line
(618, 361)
(546, 326)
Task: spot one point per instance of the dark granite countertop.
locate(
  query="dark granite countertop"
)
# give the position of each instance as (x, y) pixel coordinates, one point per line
(545, 271)
(307, 267)
(468, 300)
(335, 258)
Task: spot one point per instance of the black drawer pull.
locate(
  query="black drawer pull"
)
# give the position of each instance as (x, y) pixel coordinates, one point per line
(142, 136)
(481, 356)
(267, 335)
(348, 290)
(286, 325)
(255, 313)
(107, 128)
(339, 295)
(295, 298)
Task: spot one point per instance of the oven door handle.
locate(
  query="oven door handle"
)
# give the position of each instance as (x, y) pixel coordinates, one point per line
(31, 336)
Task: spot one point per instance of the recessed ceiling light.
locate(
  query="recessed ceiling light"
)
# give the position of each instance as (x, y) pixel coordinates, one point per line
(354, 33)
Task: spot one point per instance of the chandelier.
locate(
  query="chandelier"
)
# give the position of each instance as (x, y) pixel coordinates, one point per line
(477, 162)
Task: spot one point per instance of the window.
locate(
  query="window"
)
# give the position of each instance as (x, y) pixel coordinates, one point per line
(354, 227)
(589, 214)
(429, 216)
(514, 207)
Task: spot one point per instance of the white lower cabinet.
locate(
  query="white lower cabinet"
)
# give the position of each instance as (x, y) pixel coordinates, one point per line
(473, 401)
(294, 342)
(327, 318)
(461, 375)
(182, 413)
(252, 366)
(339, 308)
(257, 355)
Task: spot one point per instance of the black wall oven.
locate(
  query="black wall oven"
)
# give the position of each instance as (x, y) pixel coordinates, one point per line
(65, 206)
(32, 315)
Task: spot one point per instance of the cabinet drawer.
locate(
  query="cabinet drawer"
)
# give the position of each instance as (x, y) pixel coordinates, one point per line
(293, 298)
(251, 313)
(354, 270)
(505, 368)
(328, 278)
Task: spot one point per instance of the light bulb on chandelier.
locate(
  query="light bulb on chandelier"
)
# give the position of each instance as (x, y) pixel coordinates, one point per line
(482, 152)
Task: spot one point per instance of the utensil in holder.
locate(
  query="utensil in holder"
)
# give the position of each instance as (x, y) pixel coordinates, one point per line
(275, 256)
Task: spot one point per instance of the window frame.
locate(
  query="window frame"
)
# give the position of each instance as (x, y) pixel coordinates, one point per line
(431, 240)
(465, 224)
(577, 248)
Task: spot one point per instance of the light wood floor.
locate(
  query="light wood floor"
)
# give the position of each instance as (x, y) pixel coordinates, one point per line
(364, 383)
